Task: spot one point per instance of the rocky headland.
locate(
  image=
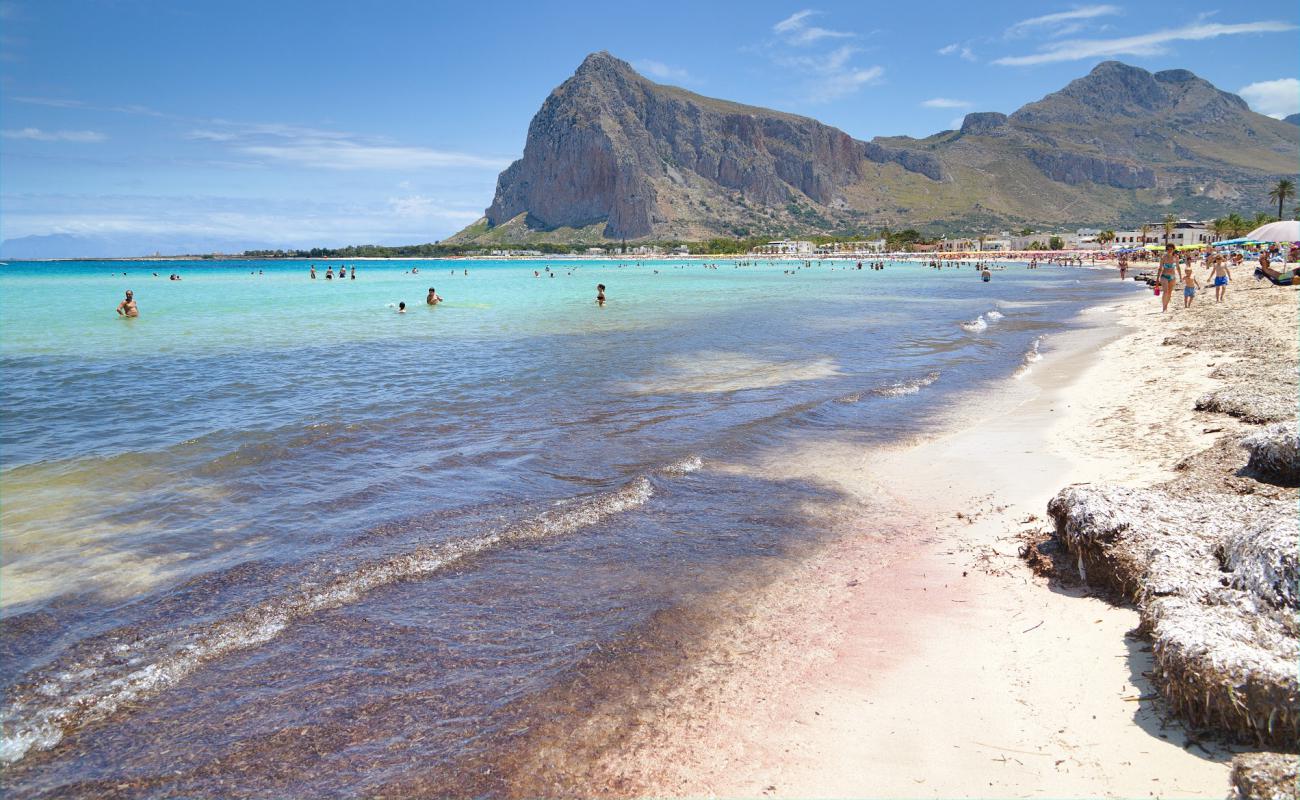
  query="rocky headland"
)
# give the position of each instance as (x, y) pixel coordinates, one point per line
(612, 155)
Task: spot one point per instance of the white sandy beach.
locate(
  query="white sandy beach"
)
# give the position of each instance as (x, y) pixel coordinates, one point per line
(946, 668)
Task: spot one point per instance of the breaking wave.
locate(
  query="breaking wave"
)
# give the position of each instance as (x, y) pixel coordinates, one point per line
(981, 322)
(894, 389)
(71, 695)
(1031, 357)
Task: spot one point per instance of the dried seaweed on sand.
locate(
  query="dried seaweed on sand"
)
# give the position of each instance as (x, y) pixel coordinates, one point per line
(1214, 579)
(1275, 453)
(1264, 776)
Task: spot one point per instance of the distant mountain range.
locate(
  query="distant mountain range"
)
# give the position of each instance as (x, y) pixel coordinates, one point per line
(71, 245)
(612, 155)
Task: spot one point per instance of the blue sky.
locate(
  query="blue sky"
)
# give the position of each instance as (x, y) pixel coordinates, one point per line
(232, 124)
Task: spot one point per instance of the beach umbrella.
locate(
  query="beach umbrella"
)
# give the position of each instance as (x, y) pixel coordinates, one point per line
(1231, 242)
(1285, 231)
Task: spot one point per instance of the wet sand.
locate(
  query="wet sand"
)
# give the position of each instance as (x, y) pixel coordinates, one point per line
(935, 663)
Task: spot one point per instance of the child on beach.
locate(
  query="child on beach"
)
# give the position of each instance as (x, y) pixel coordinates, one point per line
(1190, 285)
(1220, 275)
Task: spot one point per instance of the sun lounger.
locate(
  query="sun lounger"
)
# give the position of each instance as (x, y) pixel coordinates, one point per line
(1284, 279)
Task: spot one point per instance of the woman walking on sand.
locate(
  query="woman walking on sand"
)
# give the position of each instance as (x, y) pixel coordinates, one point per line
(1167, 276)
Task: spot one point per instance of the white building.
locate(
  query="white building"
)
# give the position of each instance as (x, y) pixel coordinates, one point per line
(862, 248)
(1185, 232)
(786, 247)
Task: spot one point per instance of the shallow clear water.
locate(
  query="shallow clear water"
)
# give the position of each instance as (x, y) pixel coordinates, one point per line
(324, 544)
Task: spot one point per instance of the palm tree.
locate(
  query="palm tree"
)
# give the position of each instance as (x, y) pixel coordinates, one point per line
(1146, 229)
(1219, 227)
(1105, 237)
(1285, 190)
(1236, 225)
(1168, 224)
(1262, 219)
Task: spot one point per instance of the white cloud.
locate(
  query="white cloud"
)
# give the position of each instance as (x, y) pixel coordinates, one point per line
(355, 155)
(325, 149)
(1064, 21)
(418, 206)
(662, 71)
(946, 102)
(38, 135)
(795, 30)
(844, 83)
(1279, 98)
(792, 22)
(829, 75)
(1146, 44)
(960, 50)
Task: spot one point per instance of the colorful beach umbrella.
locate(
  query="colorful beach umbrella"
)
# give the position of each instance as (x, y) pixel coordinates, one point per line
(1284, 231)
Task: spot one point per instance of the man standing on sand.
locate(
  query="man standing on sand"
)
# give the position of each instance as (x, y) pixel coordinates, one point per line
(128, 308)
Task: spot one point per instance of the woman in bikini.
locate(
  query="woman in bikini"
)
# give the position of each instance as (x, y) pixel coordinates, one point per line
(1167, 276)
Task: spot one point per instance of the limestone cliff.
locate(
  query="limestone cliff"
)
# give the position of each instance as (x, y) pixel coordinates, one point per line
(616, 156)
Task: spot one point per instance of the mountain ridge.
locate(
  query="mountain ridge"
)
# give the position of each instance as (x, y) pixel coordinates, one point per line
(612, 155)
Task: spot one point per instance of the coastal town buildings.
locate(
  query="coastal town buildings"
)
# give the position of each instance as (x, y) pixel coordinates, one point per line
(865, 247)
(1184, 232)
(786, 247)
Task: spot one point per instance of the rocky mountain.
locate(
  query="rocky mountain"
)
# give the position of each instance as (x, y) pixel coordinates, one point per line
(612, 155)
(1294, 119)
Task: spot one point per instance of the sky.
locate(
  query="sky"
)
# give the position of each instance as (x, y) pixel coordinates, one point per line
(143, 125)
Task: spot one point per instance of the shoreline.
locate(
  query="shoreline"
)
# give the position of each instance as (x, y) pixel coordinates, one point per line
(992, 256)
(939, 665)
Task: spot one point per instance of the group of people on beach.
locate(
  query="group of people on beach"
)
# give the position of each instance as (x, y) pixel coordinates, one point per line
(1168, 275)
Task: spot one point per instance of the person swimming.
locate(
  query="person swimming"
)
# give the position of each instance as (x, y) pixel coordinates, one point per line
(401, 307)
(128, 308)
(433, 299)
(600, 294)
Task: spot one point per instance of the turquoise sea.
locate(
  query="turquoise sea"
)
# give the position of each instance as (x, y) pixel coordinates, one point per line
(327, 546)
